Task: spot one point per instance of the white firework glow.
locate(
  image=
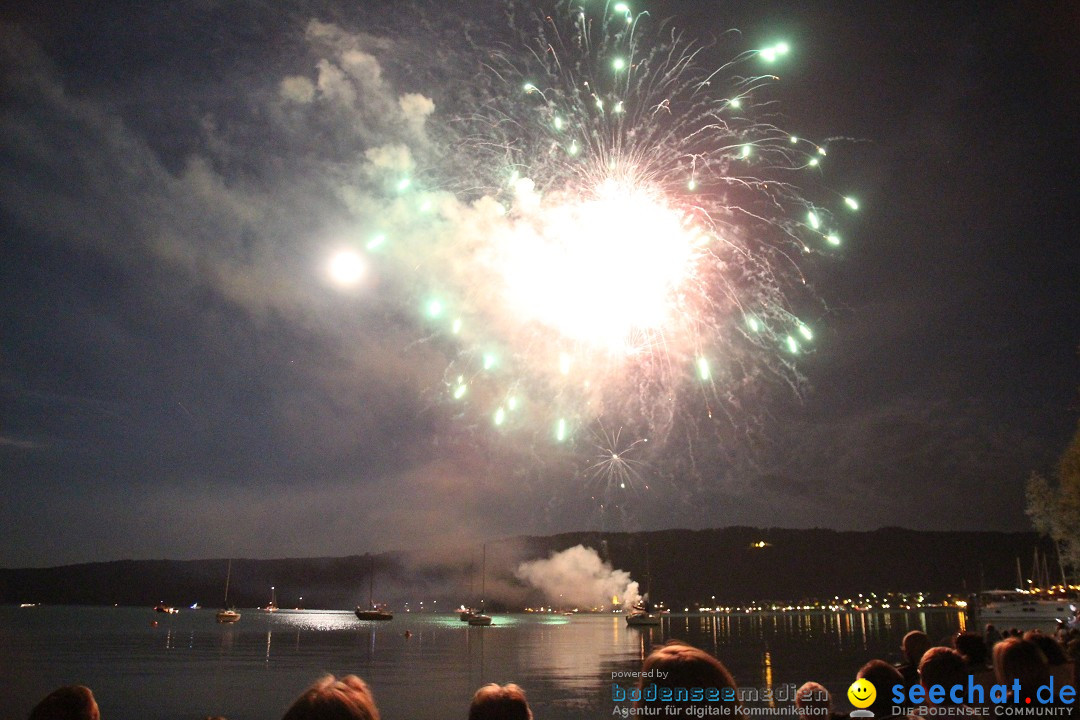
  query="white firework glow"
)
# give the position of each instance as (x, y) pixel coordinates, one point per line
(597, 268)
(612, 232)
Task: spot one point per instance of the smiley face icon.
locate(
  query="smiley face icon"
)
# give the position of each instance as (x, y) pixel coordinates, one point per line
(862, 693)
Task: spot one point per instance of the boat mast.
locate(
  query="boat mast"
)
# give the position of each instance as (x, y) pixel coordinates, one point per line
(228, 575)
(371, 583)
(483, 578)
(648, 580)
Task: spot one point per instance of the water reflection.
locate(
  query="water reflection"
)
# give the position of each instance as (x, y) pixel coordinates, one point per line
(766, 667)
(566, 664)
(313, 620)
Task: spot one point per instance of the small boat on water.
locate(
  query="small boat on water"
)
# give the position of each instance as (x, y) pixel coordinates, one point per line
(465, 613)
(643, 613)
(272, 606)
(378, 612)
(227, 614)
(373, 612)
(477, 618)
(167, 609)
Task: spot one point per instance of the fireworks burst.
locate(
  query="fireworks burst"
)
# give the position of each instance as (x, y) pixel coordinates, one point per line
(617, 231)
(615, 466)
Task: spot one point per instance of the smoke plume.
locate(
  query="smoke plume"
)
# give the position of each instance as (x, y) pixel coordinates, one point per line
(578, 577)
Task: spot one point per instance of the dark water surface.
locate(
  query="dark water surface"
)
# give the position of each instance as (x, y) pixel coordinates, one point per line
(189, 666)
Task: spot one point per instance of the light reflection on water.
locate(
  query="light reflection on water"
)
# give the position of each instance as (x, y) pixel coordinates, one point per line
(142, 664)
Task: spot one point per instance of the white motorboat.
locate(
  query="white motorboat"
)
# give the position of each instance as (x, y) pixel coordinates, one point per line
(1023, 610)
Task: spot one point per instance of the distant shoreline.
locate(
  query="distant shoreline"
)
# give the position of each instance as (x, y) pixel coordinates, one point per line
(725, 567)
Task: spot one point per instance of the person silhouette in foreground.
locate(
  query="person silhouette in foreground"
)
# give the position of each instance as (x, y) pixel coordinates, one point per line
(73, 702)
(813, 702)
(1019, 660)
(331, 699)
(500, 702)
(692, 678)
(883, 677)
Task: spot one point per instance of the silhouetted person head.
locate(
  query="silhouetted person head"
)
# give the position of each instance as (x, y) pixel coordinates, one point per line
(914, 644)
(686, 669)
(942, 666)
(882, 676)
(74, 702)
(972, 647)
(500, 702)
(1018, 659)
(812, 701)
(1051, 648)
(331, 699)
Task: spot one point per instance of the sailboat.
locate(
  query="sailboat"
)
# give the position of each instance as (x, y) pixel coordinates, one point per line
(643, 613)
(374, 612)
(464, 613)
(272, 607)
(479, 618)
(227, 614)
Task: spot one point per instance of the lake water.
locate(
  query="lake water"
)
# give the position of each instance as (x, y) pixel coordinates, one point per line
(189, 666)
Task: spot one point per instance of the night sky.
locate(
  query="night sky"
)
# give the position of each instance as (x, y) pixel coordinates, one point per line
(179, 379)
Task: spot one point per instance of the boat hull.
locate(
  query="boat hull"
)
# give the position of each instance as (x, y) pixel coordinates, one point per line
(480, 620)
(376, 615)
(228, 616)
(1006, 610)
(1025, 617)
(642, 619)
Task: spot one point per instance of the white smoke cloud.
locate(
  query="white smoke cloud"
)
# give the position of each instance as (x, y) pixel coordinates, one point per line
(297, 89)
(578, 577)
(416, 108)
(393, 158)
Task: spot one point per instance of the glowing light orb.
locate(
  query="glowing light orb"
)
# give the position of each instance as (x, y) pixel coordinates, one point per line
(347, 268)
(435, 308)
